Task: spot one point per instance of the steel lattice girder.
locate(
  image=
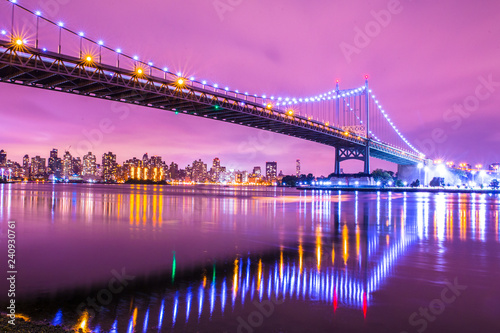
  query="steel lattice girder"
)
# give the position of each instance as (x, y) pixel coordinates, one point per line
(50, 71)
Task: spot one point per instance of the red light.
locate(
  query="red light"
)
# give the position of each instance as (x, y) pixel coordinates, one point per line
(365, 304)
(337, 81)
(334, 300)
(366, 77)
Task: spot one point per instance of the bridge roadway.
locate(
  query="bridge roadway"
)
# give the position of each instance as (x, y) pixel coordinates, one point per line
(49, 70)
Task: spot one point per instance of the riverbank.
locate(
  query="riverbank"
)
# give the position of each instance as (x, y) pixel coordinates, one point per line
(23, 326)
(399, 189)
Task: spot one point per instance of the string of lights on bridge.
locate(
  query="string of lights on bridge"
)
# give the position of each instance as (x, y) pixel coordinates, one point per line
(140, 69)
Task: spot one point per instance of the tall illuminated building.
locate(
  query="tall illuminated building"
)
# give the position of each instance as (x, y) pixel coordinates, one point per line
(109, 167)
(3, 158)
(26, 166)
(54, 165)
(89, 165)
(155, 162)
(297, 168)
(37, 167)
(67, 165)
(199, 171)
(271, 170)
(216, 169)
(257, 171)
(174, 171)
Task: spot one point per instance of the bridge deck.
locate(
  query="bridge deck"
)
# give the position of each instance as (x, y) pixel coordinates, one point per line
(53, 71)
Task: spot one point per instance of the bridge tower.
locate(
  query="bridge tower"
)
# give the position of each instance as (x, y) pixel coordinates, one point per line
(343, 153)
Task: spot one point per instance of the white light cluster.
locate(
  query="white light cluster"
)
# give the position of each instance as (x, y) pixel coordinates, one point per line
(394, 126)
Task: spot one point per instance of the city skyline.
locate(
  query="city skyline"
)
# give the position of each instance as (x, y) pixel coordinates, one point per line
(427, 115)
(67, 166)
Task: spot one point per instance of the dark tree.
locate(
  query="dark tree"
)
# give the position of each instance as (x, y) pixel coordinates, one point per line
(437, 182)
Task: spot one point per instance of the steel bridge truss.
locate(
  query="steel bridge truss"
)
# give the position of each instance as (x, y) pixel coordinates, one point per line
(48, 70)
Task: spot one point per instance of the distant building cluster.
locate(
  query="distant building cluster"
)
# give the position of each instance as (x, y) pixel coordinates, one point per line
(69, 168)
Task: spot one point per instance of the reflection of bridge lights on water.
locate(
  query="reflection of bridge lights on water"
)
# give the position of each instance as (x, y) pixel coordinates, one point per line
(254, 280)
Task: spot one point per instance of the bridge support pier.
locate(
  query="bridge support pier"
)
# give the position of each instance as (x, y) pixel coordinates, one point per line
(352, 153)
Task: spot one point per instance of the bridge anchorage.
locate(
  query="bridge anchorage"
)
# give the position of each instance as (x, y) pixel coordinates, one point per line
(350, 120)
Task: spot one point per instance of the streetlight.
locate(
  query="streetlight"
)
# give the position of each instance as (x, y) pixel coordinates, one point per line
(420, 166)
(426, 169)
(38, 14)
(12, 22)
(81, 34)
(61, 25)
(100, 43)
(482, 173)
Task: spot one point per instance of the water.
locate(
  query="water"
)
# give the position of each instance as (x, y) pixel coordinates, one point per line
(137, 258)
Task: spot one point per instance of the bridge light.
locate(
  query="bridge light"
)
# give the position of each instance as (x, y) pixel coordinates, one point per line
(180, 81)
(118, 50)
(139, 71)
(3, 32)
(165, 69)
(269, 106)
(60, 24)
(38, 13)
(150, 63)
(101, 43)
(81, 34)
(19, 42)
(290, 112)
(88, 58)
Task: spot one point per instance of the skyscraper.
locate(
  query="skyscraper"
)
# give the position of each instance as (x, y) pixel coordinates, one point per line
(257, 171)
(199, 171)
(89, 165)
(67, 167)
(215, 169)
(297, 168)
(26, 166)
(271, 170)
(3, 158)
(109, 167)
(52, 162)
(76, 166)
(174, 171)
(37, 167)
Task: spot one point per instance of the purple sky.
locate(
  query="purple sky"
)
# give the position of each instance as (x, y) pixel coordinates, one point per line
(427, 58)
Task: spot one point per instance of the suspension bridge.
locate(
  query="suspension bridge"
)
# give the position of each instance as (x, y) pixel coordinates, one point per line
(40, 53)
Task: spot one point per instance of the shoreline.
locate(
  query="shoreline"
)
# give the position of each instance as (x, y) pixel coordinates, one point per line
(399, 189)
(27, 326)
